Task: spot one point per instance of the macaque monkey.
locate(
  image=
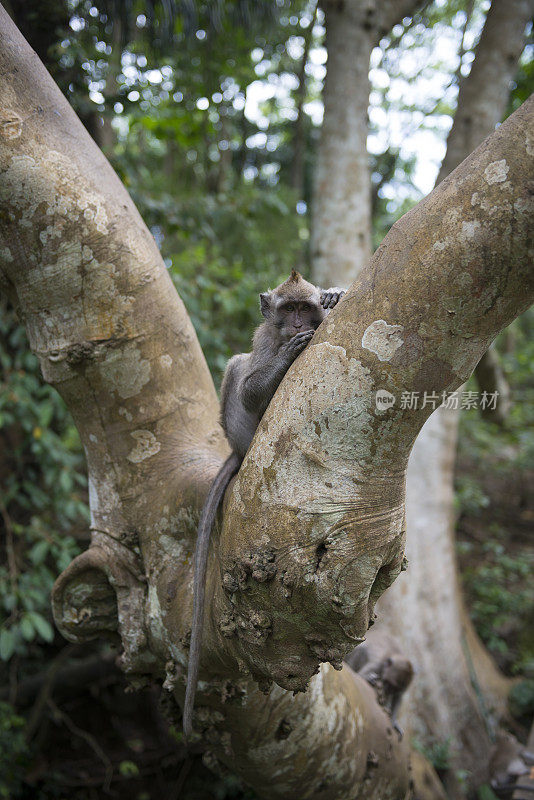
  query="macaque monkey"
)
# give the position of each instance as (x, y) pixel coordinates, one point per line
(292, 311)
(382, 663)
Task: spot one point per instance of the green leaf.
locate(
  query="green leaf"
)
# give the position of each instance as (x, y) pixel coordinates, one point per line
(39, 552)
(7, 644)
(42, 626)
(10, 601)
(45, 414)
(26, 628)
(485, 793)
(128, 769)
(65, 481)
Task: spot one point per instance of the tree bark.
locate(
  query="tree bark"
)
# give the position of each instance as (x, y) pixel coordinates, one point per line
(122, 352)
(341, 231)
(300, 562)
(299, 137)
(113, 337)
(342, 178)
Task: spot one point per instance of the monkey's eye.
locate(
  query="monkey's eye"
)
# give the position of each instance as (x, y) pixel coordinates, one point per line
(290, 307)
(305, 307)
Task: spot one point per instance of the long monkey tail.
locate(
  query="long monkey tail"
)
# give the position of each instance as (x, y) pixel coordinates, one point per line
(205, 525)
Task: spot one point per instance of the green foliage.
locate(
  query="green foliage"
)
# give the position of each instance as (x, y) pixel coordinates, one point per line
(469, 497)
(500, 591)
(497, 568)
(14, 754)
(128, 769)
(42, 495)
(437, 752)
(211, 183)
(524, 79)
(508, 449)
(485, 792)
(521, 697)
(248, 242)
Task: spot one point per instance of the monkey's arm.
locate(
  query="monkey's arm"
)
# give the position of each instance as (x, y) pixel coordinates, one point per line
(260, 384)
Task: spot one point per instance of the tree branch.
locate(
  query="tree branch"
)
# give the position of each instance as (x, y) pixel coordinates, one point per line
(314, 526)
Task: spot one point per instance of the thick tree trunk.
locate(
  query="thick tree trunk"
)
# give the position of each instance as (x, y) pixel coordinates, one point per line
(299, 136)
(341, 232)
(313, 526)
(342, 178)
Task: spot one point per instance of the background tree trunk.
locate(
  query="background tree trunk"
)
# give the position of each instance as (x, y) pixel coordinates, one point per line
(299, 136)
(341, 212)
(424, 608)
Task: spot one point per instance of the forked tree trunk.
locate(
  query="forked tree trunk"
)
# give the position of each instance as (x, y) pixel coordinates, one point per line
(313, 527)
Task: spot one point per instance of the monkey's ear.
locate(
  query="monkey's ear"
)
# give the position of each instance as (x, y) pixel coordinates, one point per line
(265, 303)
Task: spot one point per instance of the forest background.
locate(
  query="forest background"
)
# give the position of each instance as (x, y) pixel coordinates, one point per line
(211, 115)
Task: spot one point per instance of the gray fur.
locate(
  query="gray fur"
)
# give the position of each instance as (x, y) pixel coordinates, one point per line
(249, 383)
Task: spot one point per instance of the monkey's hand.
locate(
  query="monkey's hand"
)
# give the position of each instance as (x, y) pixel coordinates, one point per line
(296, 345)
(331, 297)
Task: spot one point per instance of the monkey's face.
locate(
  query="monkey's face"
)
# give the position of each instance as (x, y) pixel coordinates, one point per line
(297, 316)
